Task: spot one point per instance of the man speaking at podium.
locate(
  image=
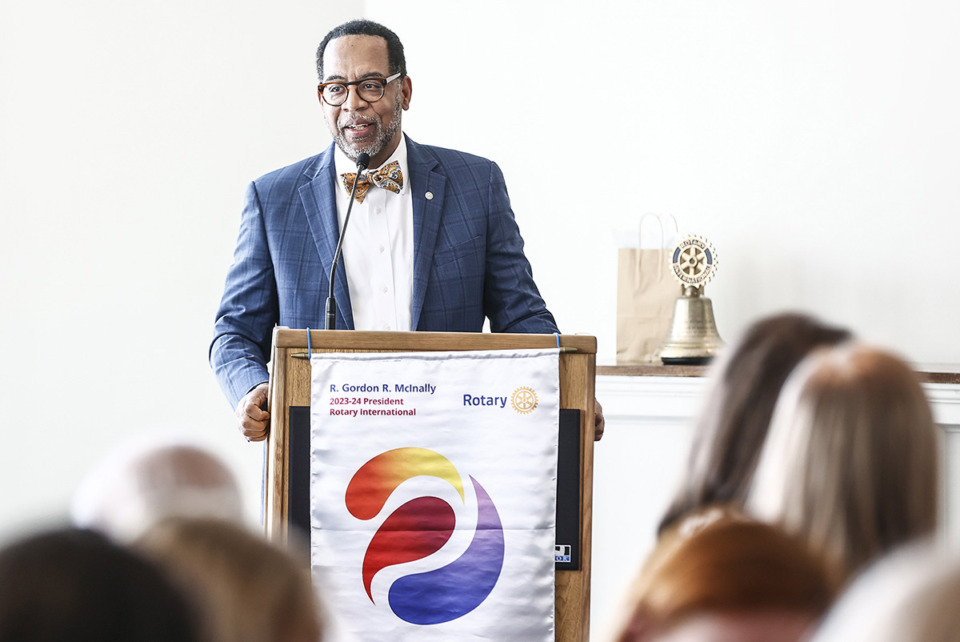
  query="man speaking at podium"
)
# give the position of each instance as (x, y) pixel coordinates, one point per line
(432, 243)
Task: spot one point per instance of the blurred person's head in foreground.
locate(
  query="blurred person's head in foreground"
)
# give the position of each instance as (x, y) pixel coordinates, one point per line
(147, 480)
(248, 589)
(851, 464)
(720, 577)
(732, 425)
(910, 595)
(78, 586)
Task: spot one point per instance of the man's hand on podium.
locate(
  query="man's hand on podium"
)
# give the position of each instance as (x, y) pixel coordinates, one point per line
(252, 413)
(598, 420)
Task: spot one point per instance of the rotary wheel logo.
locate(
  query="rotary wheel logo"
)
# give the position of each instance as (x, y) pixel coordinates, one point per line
(694, 261)
(524, 400)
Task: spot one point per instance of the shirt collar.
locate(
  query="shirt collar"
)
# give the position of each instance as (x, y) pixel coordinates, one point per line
(344, 165)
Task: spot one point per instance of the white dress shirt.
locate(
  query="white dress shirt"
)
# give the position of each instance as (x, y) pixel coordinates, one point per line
(378, 249)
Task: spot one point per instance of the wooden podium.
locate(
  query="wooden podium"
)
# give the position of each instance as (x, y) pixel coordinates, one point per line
(290, 388)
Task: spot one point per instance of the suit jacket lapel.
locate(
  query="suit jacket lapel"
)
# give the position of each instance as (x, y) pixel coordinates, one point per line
(319, 203)
(428, 188)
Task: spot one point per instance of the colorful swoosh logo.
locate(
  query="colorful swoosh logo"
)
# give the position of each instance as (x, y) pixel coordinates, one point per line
(421, 527)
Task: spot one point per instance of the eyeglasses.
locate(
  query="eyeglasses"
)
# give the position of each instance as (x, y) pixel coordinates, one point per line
(369, 90)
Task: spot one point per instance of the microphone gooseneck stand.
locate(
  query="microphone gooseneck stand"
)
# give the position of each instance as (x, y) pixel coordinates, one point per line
(330, 310)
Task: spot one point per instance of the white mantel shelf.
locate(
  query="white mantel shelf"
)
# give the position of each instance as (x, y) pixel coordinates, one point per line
(678, 383)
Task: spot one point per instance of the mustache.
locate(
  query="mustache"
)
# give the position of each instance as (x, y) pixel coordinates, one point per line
(350, 122)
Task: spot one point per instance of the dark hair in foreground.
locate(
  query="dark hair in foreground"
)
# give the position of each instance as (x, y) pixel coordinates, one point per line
(77, 586)
(395, 57)
(247, 588)
(733, 424)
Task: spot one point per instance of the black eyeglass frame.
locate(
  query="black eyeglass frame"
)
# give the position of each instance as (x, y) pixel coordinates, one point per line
(383, 88)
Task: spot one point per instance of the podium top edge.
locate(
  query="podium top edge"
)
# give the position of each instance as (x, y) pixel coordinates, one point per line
(427, 341)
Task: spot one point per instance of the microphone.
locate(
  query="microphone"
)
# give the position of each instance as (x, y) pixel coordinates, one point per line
(330, 311)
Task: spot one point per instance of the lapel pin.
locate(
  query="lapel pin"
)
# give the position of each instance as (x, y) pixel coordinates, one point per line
(429, 196)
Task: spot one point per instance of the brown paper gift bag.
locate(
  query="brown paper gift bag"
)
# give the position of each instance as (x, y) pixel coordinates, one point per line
(646, 292)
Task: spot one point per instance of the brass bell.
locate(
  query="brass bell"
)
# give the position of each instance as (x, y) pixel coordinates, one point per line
(693, 337)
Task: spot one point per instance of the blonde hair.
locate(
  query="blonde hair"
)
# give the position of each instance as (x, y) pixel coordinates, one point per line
(851, 462)
(248, 589)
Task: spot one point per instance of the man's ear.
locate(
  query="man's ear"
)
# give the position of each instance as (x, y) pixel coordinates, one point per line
(406, 90)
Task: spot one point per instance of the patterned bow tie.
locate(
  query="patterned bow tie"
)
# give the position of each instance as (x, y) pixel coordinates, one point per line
(388, 177)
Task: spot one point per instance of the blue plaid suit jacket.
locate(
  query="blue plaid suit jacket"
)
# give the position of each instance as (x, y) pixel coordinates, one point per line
(468, 259)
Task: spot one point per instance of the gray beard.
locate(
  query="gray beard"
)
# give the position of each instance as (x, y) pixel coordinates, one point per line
(374, 147)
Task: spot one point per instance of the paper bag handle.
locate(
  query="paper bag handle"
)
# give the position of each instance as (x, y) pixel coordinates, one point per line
(676, 230)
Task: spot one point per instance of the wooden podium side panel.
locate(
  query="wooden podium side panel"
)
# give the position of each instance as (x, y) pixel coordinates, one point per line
(290, 386)
(573, 587)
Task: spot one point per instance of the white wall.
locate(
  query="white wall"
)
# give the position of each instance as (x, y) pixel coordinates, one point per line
(814, 143)
(128, 132)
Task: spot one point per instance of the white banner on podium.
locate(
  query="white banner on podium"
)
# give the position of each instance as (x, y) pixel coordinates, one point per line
(433, 493)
